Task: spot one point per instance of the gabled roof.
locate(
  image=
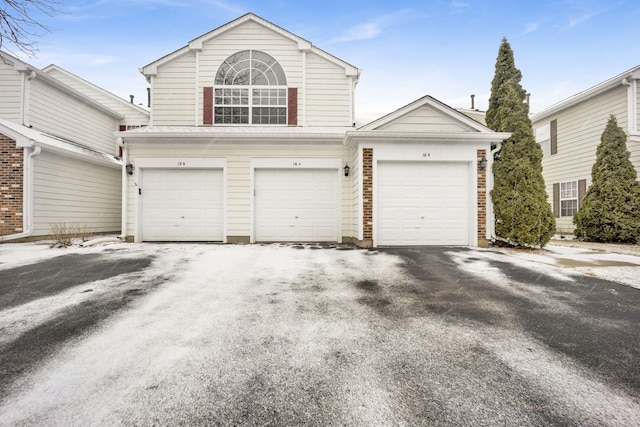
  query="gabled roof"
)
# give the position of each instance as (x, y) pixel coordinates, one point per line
(29, 137)
(196, 44)
(123, 102)
(427, 101)
(23, 66)
(619, 80)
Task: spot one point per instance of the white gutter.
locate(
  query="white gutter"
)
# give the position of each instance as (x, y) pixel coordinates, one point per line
(27, 197)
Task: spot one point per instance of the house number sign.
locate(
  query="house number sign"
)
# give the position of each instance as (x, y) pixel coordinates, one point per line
(182, 163)
(295, 164)
(426, 155)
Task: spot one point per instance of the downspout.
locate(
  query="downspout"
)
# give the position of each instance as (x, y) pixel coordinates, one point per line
(125, 181)
(490, 179)
(27, 197)
(632, 109)
(25, 104)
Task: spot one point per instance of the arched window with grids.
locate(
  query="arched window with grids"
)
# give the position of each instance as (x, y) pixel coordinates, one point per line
(250, 88)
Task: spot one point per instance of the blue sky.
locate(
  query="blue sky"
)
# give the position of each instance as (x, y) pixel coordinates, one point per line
(405, 49)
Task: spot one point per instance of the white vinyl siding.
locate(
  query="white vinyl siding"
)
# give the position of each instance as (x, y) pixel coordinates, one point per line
(59, 114)
(328, 93)
(177, 89)
(130, 113)
(10, 92)
(426, 119)
(238, 176)
(69, 190)
(173, 92)
(579, 129)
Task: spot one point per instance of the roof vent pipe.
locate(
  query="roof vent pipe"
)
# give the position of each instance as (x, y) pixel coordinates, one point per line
(528, 98)
(473, 104)
(131, 96)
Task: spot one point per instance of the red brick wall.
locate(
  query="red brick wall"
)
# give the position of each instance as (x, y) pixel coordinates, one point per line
(482, 198)
(11, 174)
(367, 192)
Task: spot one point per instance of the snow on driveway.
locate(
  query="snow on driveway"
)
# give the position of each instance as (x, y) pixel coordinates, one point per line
(297, 334)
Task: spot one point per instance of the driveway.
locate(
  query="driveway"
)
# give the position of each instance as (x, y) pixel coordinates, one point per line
(305, 334)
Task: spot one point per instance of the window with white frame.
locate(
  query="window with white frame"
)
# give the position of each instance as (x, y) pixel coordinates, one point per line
(250, 88)
(568, 198)
(543, 137)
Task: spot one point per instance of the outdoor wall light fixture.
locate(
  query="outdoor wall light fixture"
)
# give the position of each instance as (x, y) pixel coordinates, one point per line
(346, 170)
(129, 169)
(483, 163)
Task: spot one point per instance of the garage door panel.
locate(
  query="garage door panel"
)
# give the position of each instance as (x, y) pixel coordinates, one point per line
(423, 203)
(296, 205)
(182, 205)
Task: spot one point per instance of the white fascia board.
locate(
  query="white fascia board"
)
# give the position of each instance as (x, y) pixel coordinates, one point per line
(426, 100)
(613, 82)
(449, 137)
(124, 102)
(27, 138)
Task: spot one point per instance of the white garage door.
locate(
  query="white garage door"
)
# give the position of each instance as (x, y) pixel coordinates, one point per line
(182, 205)
(296, 205)
(422, 203)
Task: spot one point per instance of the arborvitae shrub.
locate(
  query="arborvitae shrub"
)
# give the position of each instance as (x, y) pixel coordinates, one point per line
(610, 211)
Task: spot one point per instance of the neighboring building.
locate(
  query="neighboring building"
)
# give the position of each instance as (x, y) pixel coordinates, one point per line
(569, 134)
(59, 159)
(251, 139)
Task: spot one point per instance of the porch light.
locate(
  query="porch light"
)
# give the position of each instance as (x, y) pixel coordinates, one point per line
(129, 169)
(346, 170)
(483, 163)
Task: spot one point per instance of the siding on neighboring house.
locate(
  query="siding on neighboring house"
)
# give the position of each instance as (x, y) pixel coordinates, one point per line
(10, 92)
(238, 188)
(69, 190)
(55, 112)
(133, 115)
(578, 135)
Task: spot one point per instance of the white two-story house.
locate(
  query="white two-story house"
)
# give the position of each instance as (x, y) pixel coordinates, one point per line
(252, 139)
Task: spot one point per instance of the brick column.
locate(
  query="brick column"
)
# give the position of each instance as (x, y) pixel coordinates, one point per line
(482, 201)
(367, 193)
(11, 184)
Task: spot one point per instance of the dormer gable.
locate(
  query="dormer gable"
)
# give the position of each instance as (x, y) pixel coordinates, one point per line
(426, 114)
(198, 43)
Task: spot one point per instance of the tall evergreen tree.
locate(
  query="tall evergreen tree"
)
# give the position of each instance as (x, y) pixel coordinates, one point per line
(522, 212)
(610, 211)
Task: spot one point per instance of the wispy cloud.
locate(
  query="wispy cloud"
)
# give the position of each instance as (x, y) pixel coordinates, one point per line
(577, 20)
(460, 7)
(371, 29)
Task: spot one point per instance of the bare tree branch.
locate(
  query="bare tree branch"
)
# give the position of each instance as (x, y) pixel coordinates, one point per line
(20, 24)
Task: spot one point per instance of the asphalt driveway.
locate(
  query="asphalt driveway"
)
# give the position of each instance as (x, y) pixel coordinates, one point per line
(321, 335)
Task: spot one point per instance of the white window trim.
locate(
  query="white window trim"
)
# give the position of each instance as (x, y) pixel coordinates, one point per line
(567, 199)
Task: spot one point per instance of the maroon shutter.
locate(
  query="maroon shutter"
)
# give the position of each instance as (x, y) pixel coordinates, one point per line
(123, 128)
(582, 190)
(556, 200)
(553, 131)
(292, 112)
(207, 106)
